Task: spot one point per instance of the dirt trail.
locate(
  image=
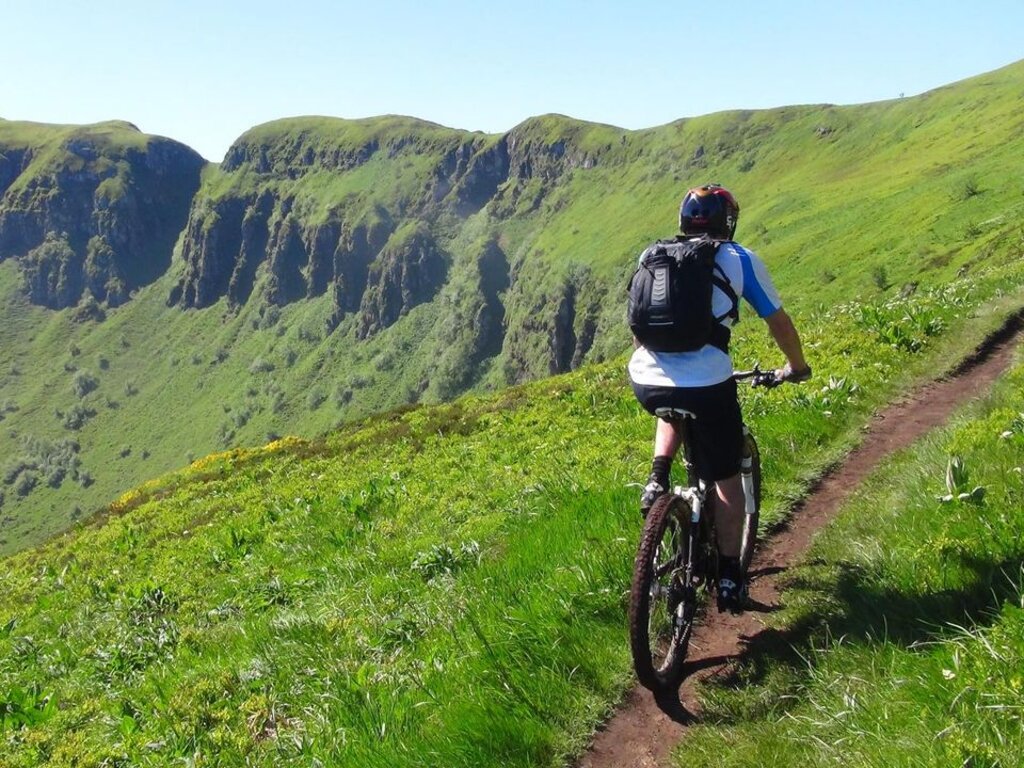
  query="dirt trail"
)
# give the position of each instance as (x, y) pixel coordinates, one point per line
(643, 731)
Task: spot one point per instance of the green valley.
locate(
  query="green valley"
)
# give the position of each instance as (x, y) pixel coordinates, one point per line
(330, 269)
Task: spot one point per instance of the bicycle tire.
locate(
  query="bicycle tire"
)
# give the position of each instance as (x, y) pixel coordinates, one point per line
(657, 641)
(748, 543)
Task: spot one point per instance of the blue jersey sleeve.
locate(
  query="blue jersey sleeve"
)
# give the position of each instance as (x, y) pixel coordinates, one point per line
(758, 288)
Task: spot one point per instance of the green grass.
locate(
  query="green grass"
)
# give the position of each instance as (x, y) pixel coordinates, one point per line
(902, 637)
(443, 586)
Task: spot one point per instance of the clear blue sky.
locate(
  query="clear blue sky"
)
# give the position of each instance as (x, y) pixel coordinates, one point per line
(204, 71)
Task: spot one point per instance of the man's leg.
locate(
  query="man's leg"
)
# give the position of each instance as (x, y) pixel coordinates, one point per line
(729, 511)
(667, 439)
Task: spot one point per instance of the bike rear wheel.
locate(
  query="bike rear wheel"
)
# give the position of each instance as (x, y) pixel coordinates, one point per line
(662, 601)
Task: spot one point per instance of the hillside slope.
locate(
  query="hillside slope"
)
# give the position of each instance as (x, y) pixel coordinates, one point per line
(330, 269)
(436, 587)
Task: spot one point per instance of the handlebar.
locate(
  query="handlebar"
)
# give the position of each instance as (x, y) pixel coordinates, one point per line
(758, 378)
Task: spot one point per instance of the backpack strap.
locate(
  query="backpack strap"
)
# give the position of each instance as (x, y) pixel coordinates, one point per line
(722, 283)
(721, 334)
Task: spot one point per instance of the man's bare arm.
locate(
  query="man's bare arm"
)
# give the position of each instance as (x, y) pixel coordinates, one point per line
(781, 327)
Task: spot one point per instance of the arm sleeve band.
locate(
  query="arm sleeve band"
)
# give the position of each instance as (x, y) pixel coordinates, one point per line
(758, 289)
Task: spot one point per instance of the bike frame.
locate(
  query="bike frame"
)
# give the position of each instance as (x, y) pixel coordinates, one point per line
(677, 558)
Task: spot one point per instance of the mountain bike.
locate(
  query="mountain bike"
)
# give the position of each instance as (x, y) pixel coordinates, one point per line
(677, 560)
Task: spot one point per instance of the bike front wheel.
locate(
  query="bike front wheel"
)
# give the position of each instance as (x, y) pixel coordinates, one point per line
(662, 601)
(750, 522)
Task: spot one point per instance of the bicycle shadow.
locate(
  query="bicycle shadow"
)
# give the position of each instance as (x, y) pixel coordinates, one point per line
(857, 609)
(670, 702)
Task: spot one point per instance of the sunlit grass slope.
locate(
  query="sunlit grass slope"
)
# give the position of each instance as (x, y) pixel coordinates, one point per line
(902, 638)
(443, 586)
(843, 203)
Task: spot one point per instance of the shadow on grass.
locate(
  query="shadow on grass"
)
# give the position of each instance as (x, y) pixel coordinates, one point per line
(850, 602)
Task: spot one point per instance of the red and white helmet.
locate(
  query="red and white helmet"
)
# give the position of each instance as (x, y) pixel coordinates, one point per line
(711, 210)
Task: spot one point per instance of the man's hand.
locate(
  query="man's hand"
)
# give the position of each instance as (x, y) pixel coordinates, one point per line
(787, 374)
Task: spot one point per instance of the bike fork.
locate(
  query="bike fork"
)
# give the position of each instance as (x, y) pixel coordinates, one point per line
(747, 475)
(688, 568)
(747, 478)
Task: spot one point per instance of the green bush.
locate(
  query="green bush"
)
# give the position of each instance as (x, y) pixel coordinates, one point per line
(76, 417)
(259, 365)
(83, 383)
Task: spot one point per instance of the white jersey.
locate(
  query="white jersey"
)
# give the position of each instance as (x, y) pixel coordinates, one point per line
(709, 365)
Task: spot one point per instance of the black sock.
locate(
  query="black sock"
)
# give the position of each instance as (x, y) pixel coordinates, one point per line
(661, 467)
(729, 568)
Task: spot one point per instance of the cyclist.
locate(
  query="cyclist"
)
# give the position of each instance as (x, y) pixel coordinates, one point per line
(701, 381)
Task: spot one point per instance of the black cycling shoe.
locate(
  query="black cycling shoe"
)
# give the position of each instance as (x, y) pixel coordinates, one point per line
(650, 494)
(732, 588)
(731, 596)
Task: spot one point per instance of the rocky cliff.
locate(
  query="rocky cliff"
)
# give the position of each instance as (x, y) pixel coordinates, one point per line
(92, 209)
(371, 211)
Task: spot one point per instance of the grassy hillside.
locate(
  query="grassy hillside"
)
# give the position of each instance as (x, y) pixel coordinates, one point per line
(850, 202)
(902, 641)
(442, 586)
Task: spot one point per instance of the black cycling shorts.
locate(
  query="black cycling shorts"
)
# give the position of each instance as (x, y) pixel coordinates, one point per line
(717, 430)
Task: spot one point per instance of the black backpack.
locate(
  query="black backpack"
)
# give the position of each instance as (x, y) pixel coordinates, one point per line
(670, 295)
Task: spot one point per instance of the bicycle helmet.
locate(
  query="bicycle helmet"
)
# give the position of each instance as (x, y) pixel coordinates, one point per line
(710, 209)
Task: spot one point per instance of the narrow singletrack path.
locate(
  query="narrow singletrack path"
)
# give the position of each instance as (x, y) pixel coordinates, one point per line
(644, 730)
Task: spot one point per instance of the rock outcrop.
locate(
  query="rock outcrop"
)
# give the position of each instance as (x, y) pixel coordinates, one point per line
(94, 209)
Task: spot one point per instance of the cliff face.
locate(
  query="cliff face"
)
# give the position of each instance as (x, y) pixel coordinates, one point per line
(92, 209)
(365, 210)
(369, 213)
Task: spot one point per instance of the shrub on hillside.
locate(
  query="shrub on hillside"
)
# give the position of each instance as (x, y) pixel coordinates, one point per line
(76, 417)
(130, 390)
(277, 402)
(315, 399)
(14, 467)
(42, 459)
(308, 336)
(241, 416)
(225, 434)
(966, 190)
(970, 231)
(26, 481)
(83, 383)
(88, 309)
(342, 396)
(259, 365)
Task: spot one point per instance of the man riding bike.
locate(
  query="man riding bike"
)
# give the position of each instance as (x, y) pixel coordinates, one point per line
(701, 381)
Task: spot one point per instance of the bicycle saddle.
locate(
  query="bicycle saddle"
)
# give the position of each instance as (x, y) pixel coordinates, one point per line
(674, 414)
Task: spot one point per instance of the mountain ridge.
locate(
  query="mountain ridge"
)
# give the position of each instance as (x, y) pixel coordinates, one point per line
(291, 296)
